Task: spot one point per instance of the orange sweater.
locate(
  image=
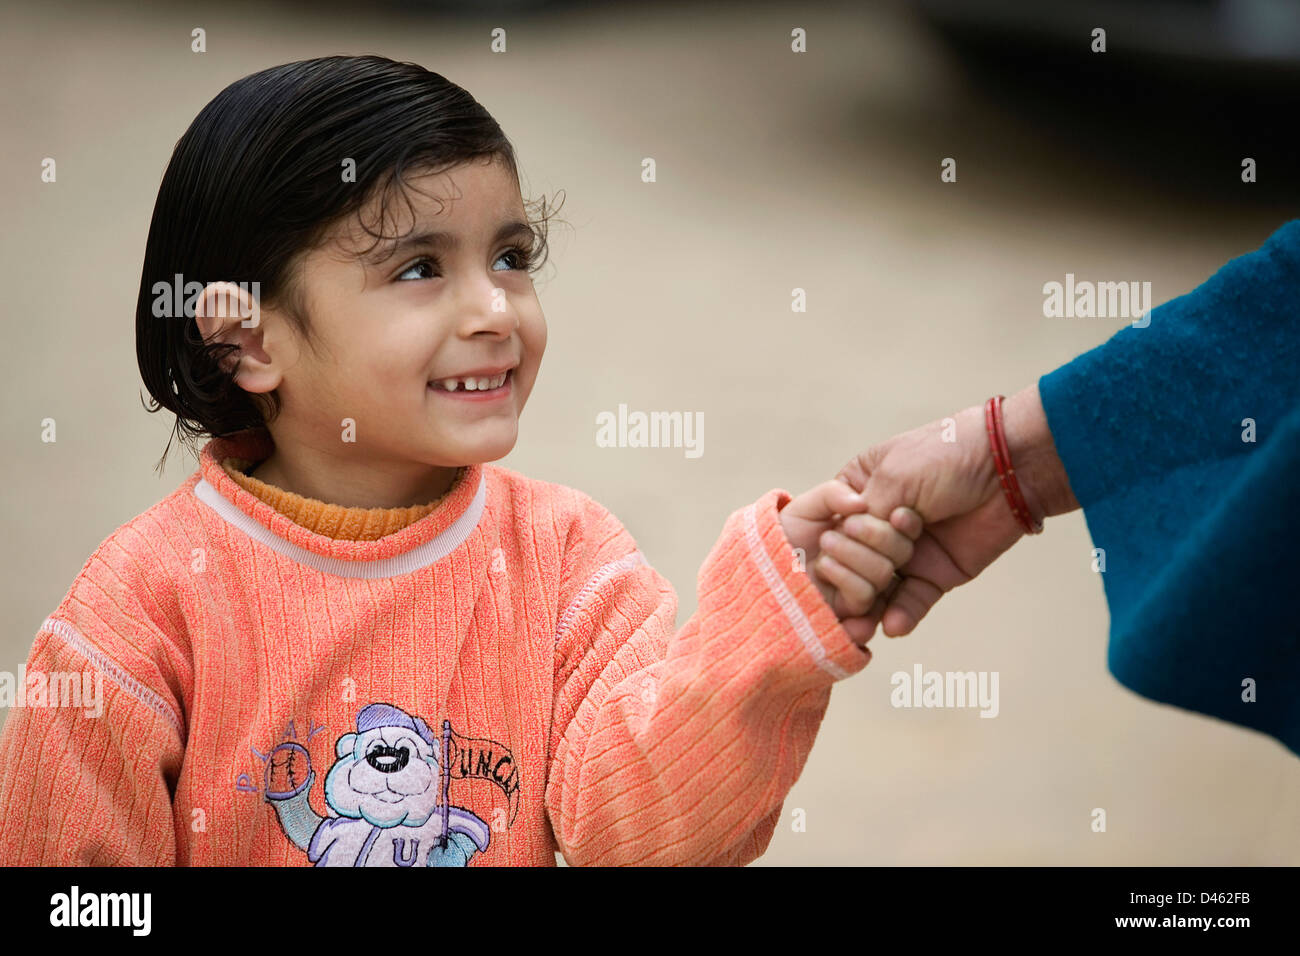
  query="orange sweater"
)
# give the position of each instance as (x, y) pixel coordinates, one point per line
(498, 680)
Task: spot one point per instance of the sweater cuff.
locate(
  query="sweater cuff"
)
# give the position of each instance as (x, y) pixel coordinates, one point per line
(826, 644)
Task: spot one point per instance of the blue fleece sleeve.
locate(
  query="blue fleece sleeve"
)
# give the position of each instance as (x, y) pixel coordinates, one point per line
(1199, 525)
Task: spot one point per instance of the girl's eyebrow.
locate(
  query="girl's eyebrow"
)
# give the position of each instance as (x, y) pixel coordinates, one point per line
(431, 239)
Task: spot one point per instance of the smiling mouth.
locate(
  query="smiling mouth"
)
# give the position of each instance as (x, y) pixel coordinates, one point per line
(477, 383)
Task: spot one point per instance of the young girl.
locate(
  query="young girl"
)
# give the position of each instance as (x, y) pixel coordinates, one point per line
(347, 640)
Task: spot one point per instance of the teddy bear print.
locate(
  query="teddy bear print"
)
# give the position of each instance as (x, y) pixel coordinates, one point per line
(384, 789)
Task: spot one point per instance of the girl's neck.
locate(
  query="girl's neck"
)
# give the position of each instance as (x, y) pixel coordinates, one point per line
(351, 482)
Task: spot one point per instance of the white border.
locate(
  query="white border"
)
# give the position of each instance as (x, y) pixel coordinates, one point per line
(418, 557)
(802, 626)
(110, 668)
(630, 560)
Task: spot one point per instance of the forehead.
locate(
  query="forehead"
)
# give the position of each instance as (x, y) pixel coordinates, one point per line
(468, 200)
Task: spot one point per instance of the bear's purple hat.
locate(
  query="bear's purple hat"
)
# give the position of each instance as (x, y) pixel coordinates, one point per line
(386, 715)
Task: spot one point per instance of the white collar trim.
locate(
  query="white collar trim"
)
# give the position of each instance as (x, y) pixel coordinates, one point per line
(418, 557)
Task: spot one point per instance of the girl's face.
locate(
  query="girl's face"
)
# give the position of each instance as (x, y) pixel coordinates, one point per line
(452, 299)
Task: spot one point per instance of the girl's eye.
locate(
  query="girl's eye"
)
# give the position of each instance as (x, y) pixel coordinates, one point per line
(426, 265)
(522, 258)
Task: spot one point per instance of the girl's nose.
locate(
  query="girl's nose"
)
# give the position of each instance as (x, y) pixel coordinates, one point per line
(489, 309)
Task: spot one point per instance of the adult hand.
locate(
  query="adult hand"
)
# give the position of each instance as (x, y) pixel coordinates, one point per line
(944, 471)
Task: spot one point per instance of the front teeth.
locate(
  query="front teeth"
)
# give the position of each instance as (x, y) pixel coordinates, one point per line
(474, 384)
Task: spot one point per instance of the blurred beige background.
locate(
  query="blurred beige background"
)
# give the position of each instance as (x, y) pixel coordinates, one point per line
(775, 171)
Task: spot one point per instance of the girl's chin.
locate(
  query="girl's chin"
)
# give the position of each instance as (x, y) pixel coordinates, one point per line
(475, 452)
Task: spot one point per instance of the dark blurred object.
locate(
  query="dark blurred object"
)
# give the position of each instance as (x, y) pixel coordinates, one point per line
(1189, 86)
(1187, 33)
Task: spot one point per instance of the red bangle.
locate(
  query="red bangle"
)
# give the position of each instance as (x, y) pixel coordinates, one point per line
(1002, 461)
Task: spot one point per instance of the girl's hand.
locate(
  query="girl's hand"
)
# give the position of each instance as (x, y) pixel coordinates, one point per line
(954, 486)
(851, 555)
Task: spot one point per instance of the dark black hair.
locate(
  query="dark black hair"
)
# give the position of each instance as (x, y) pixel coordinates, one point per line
(258, 180)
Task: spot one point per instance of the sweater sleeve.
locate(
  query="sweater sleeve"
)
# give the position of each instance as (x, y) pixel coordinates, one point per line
(89, 762)
(673, 747)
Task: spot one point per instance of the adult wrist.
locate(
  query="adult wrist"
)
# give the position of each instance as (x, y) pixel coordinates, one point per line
(1041, 473)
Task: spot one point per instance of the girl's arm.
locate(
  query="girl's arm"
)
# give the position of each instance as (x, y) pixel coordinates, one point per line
(679, 746)
(88, 764)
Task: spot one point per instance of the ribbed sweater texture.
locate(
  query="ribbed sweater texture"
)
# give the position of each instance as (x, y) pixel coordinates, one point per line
(498, 679)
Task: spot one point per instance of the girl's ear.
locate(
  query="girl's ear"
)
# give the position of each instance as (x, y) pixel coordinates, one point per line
(230, 313)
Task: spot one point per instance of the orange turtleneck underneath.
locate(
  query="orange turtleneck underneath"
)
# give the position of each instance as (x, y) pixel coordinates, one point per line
(332, 521)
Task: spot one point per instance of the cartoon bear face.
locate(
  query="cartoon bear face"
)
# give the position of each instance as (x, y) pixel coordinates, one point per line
(387, 776)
